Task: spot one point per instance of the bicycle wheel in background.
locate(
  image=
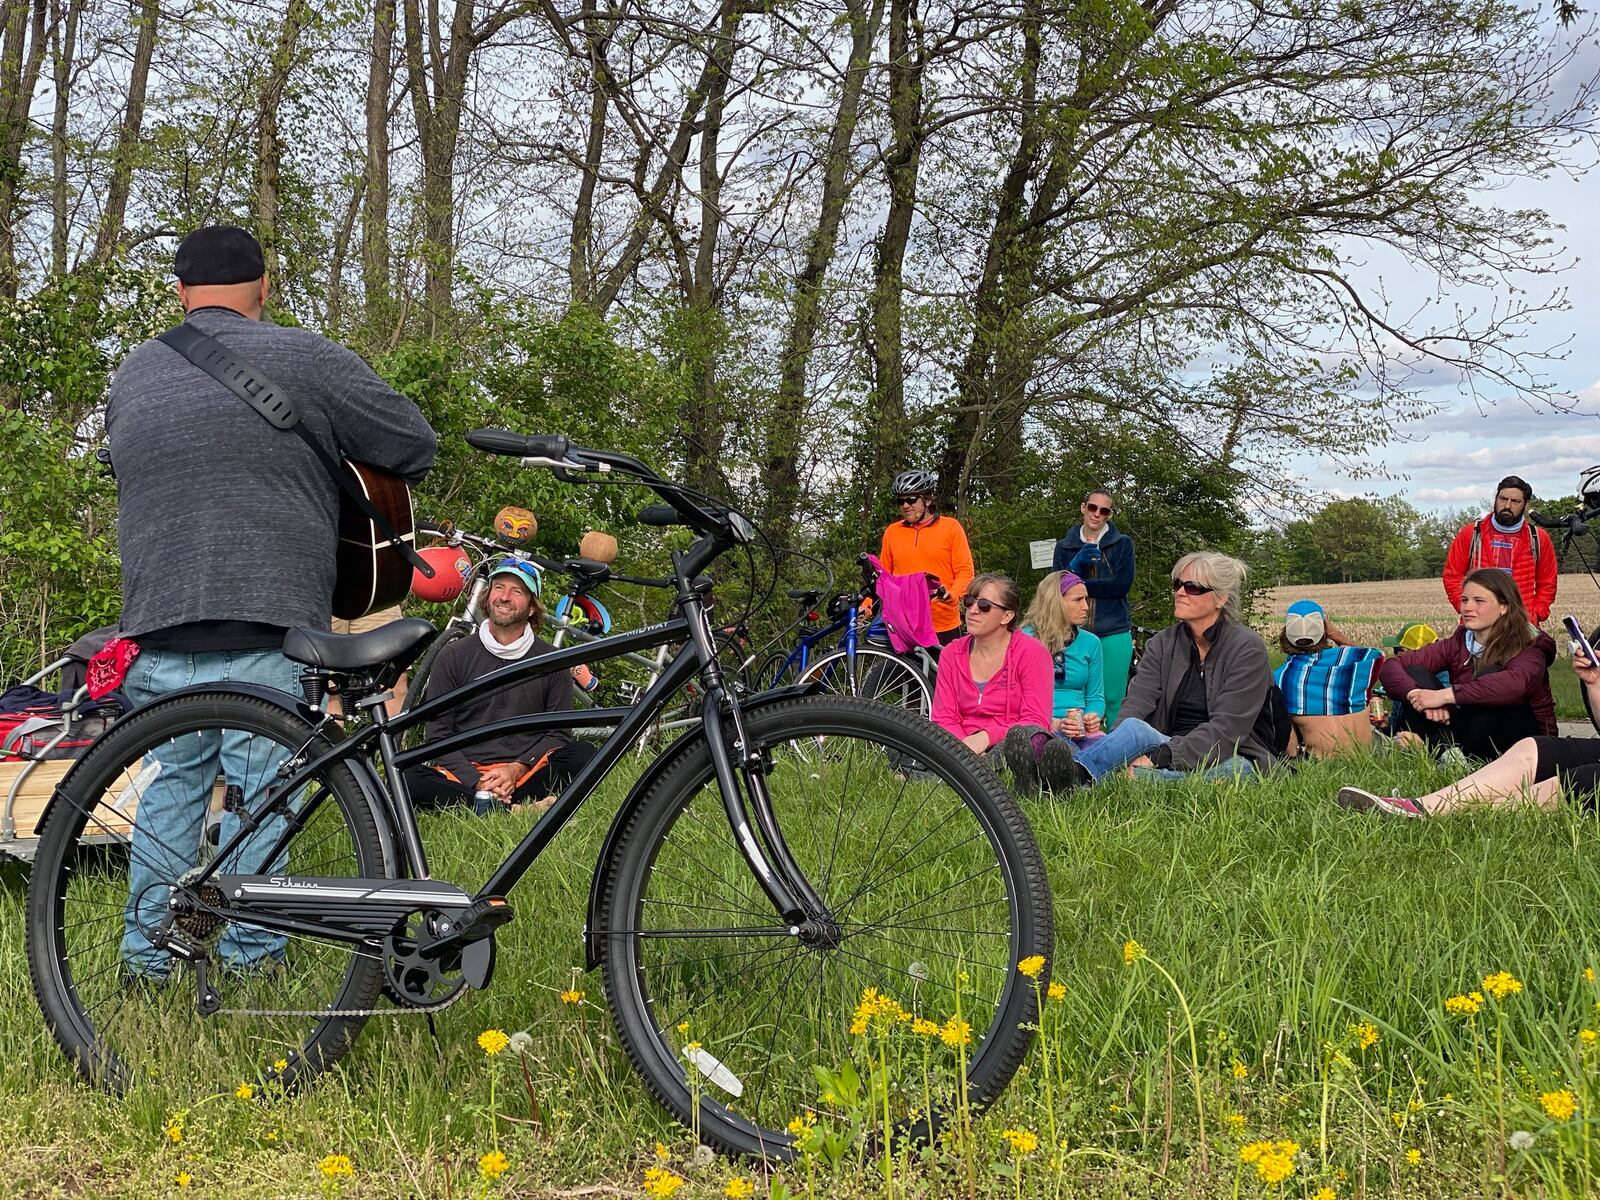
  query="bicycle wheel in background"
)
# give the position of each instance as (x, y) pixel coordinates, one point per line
(872, 675)
(936, 891)
(126, 1013)
(417, 680)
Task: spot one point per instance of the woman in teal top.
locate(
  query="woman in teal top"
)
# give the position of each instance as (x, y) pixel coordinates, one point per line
(1056, 617)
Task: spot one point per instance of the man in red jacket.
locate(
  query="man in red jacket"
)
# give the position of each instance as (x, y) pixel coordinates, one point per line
(1505, 540)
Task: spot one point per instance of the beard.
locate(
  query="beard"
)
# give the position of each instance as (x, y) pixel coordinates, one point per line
(509, 618)
(1506, 517)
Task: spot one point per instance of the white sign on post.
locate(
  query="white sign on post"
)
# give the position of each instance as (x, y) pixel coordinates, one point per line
(1042, 554)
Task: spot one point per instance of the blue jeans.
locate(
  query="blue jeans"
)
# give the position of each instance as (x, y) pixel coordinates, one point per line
(1232, 768)
(170, 823)
(1130, 738)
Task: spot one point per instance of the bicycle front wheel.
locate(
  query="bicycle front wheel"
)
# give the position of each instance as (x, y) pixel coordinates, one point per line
(935, 891)
(872, 674)
(151, 801)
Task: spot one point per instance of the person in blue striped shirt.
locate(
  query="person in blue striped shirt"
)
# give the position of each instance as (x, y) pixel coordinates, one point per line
(1326, 681)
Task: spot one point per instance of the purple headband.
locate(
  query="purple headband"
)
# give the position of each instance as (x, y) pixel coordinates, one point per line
(1069, 581)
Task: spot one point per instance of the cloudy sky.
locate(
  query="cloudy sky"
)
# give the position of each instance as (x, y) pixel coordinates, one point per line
(1456, 458)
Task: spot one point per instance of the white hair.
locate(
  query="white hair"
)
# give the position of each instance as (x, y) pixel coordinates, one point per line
(1220, 571)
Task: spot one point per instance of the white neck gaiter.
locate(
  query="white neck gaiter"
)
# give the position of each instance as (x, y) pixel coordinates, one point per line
(510, 653)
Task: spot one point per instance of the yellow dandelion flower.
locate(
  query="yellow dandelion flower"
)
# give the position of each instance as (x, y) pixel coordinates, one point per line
(1365, 1034)
(660, 1182)
(1414, 1157)
(1588, 974)
(272, 1135)
(1251, 1151)
(1132, 952)
(1326, 1193)
(1464, 1005)
(244, 1091)
(1399, 1119)
(1032, 965)
(1276, 1162)
(1057, 991)
(184, 1179)
(956, 1032)
(923, 1027)
(739, 1188)
(802, 1125)
(493, 1165)
(1588, 1036)
(1502, 984)
(492, 1041)
(174, 1133)
(662, 1153)
(1021, 1141)
(1235, 1121)
(1559, 1106)
(280, 1065)
(683, 1027)
(1415, 1106)
(335, 1165)
(572, 996)
(1240, 1070)
(1341, 1175)
(691, 1047)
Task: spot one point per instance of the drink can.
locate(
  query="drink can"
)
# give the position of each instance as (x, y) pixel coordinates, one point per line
(1375, 708)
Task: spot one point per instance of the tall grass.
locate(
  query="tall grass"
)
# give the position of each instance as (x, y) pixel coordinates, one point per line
(1314, 950)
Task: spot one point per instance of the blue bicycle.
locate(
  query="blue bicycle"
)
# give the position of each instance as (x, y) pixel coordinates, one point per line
(862, 663)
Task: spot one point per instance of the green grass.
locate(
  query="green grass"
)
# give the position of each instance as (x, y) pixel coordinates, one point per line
(1286, 923)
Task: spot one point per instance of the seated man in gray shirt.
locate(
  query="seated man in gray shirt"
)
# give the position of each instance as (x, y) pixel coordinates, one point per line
(227, 529)
(515, 767)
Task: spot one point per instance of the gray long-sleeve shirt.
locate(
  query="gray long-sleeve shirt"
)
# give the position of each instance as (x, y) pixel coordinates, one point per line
(221, 516)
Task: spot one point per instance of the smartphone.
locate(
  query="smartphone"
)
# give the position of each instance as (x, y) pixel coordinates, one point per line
(1579, 642)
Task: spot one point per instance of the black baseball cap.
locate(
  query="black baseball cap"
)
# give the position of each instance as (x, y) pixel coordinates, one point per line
(219, 254)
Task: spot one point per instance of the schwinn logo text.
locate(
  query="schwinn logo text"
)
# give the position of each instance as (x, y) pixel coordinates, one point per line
(300, 885)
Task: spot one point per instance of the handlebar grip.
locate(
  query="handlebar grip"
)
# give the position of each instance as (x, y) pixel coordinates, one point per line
(1544, 522)
(661, 515)
(518, 445)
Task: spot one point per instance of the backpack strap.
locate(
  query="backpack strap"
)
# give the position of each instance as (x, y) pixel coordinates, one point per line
(1477, 543)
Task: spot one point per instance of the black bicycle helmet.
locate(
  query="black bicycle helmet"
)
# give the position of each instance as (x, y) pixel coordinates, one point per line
(916, 483)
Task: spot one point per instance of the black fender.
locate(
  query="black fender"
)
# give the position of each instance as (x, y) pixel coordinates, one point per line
(658, 767)
(366, 778)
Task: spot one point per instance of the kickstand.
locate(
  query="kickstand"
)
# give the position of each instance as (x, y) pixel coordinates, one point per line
(433, 1030)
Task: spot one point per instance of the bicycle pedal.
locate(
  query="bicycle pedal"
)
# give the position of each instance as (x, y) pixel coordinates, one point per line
(479, 919)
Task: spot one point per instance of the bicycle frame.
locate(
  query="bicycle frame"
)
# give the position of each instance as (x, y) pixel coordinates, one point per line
(747, 808)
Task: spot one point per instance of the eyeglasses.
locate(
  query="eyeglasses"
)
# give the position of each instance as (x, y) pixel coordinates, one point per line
(905, 500)
(1095, 508)
(982, 603)
(1190, 588)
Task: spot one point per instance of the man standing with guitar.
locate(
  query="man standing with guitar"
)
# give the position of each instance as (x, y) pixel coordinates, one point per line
(228, 526)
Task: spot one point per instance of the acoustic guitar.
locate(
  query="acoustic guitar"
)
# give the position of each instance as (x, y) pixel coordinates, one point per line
(372, 573)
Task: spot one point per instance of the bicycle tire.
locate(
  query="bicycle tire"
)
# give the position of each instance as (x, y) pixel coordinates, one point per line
(875, 675)
(892, 837)
(102, 1015)
(417, 681)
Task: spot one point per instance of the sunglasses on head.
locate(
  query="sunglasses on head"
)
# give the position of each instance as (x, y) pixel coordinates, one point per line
(982, 603)
(1190, 588)
(1096, 508)
(904, 500)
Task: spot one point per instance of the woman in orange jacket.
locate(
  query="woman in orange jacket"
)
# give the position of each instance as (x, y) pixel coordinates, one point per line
(924, 540)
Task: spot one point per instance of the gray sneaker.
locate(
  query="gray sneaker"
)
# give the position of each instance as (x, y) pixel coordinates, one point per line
(1017, 750)
(1058, 768)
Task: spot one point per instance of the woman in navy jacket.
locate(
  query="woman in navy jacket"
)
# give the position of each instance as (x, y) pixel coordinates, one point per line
(1102, 557)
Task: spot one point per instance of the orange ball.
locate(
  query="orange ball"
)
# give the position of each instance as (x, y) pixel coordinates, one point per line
(601, 547)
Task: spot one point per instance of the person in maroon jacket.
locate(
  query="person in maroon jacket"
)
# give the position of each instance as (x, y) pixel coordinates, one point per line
(1498, 665)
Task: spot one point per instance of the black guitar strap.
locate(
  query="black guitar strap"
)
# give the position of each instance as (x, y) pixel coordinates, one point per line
(261, 394)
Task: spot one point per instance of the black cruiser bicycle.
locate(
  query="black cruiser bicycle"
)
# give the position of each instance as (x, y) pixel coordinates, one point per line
(767, 868)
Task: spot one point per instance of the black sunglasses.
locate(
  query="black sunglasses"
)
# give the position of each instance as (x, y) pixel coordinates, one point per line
(982, 603)
(904, 500)
(1191, 588)
(1095, 508)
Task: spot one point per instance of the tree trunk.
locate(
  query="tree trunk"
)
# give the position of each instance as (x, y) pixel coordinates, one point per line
(22, 48)
(375, 280)
(788, 416)
(63, 58)
(269, 149)
(596, 37)
(127, 147)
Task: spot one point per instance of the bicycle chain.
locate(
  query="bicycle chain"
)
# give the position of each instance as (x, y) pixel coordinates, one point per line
(393, 1010)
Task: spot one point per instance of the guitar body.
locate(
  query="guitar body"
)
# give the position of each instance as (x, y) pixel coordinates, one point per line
(372, 572)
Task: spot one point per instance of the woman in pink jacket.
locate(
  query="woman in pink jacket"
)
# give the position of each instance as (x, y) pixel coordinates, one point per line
(994, 685)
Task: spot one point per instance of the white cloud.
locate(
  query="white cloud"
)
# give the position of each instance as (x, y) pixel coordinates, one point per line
(1457, 495)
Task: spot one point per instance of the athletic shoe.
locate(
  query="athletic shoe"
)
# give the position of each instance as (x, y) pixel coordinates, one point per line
(1357, 799)
(1399, 806)
(1360, 800)
(1017, 750)
(1058, 769)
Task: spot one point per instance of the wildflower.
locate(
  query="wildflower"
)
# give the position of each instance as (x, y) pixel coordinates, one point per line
(1588, 974)
(660, 1182)
(572, 996)
(334, 1165)
(1365, 1033)
(1588, 1036)
(923, 1027)
(1521, 1139)
(1502, 984)
(1273, 1161)
(521, 1042)
(683, 1028)
(662, 1153)
(1399, 1119)
(280, 1065)
(1235, 1121)
(1415, 1106)
(1240, 1070)
(174, 1133)
(956, 1032)
(1021, 1141)
(739, 1188)
(1032, 965)
(1559, 1106)
(244, 1091)
(1414, 1157)
(1326, 1193)
(1465, 1005)
(493, 1165)
(184, 1179)
(272, 1135)
(1132, 952)
(801, 1125)
(492, 1041)
(1058, 991)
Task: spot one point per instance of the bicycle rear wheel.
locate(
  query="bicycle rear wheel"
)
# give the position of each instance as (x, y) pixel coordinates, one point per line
(872, 675)
(125, 829)
(936, 890)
